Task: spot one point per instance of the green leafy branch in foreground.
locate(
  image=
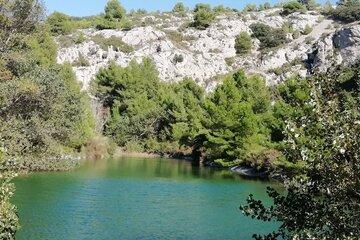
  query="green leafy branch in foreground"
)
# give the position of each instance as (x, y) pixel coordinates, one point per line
(8, 212)
(324, 203)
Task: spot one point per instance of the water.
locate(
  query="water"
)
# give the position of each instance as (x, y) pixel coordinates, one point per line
(137, 199)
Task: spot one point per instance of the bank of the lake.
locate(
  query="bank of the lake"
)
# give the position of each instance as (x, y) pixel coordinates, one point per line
(132, 198)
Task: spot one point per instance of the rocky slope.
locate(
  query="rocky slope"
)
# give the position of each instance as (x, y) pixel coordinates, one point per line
(203, 55)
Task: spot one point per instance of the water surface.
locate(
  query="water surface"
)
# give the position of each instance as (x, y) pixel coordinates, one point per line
(137, 199)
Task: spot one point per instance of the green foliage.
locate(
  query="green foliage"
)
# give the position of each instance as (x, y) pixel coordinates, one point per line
(41, 47)
(268, 36)
(59, 23)
(236, 119)
(347, 11)
(178, 58)
(116, 43)
(8, 213)
(293, 6)
(267, 5)
(81, 61)
(44, 113)
(322, 130)
(145, 112)
(309, 4)
(230, 61)
(80, 38)
(307, 30)
(16, 22)
(250, 8)
(203, 18)
(243, 43)
(221, 9)
(102, 23)
(179, 8)
(114, 11)
(202, 7)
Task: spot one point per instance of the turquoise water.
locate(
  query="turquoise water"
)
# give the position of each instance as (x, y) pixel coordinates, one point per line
(137, 199)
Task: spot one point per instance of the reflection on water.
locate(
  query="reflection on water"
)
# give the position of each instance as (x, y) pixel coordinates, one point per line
(137, 199)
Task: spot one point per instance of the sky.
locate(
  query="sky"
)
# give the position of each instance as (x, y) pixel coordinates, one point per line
(94, 7)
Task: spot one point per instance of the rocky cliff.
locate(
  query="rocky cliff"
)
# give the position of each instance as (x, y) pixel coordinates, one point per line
(203, 55)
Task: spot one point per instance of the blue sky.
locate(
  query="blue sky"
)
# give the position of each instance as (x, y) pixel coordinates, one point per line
(93, 7)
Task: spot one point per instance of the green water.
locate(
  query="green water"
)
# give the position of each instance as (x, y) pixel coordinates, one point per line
(137, 199)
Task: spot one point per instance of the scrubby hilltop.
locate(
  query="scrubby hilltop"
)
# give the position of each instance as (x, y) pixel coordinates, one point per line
(301, 43)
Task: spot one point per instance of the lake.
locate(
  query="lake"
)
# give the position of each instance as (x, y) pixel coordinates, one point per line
(132, 198)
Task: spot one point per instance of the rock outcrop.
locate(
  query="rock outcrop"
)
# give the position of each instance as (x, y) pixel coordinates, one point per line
(180, 51)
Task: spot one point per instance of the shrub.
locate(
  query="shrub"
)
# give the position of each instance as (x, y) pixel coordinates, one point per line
(202, 7)
(98, 148)
(203, 19)
(230, 61)
(80, 38)
(81, 61)
(309, 4)
(250, 8)
(307, 30)
(347, 11)
(102, 23)
(114, 11)
(267, 5)
(8, 213)
(126, 25)
(268, 36)
(292, 6)
(322, 131)
(221, 9)
(178, 58)
(179, 8)
(243, 43)
(296, 34)
(60, 24)
(115, 42)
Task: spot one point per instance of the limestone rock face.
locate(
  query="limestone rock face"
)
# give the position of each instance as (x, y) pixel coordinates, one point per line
(179, 51)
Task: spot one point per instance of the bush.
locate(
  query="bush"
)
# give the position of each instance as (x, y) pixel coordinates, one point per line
(102, 23)
(292, 6)
(202, 7)
(114, 11)
(60, 24)
(178, 58)
(322, 132)
(347, 11)
(9, 222)
(268, 36)
(80, 38)
(250, 8)
(179, 8)
(203, 19)
(230, 61)
(221, 9)
(145, 112)
(243, 43)
(81, 61)
(307, 30)
(267, 5)
(117, 43)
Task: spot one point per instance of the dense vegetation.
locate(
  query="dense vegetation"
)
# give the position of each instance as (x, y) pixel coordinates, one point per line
(43, 114)
(269, 37)
(323, 203)
(236, 124)
(203, 16)
(347, 11)
(309, 127)
(243, 43)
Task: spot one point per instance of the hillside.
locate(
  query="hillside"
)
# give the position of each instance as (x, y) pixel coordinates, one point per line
(313, 43)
